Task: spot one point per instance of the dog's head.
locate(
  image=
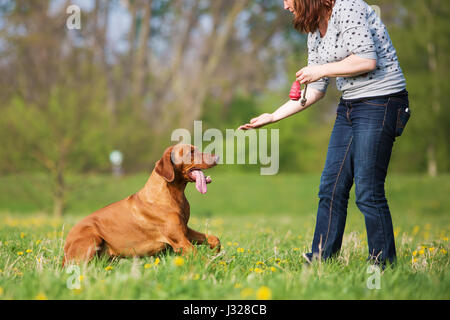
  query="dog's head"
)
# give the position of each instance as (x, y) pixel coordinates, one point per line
(184, 163)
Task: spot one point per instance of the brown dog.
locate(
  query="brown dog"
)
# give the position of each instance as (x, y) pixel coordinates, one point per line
(150, 220)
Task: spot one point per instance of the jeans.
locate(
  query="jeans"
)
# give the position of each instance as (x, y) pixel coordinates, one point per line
(359, 150)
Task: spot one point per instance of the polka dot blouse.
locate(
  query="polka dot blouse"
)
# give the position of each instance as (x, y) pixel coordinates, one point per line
(355, 28)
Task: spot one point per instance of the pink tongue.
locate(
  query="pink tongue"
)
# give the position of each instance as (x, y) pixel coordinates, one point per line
(200, 181)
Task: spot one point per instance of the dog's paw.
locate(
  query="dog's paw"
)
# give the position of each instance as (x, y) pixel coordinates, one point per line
(214, 243)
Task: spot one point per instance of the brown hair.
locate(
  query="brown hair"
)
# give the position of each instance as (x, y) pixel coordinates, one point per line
(310, 13)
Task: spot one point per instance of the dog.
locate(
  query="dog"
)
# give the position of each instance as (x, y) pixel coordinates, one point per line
(151, 220)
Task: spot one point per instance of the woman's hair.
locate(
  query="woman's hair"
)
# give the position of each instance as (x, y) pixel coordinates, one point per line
(309, 13)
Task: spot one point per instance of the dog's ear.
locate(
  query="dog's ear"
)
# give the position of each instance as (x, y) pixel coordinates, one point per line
(164, 166)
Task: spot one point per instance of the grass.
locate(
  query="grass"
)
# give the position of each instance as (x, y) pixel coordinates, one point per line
(264, 223)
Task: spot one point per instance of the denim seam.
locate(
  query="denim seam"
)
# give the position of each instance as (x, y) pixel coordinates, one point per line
(334, 190)
(380, 220)
(385, 113)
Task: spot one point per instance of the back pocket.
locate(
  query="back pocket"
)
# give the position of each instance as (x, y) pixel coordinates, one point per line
(404, 113)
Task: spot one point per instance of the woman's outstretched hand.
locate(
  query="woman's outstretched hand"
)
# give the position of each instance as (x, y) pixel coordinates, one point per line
(258, 122)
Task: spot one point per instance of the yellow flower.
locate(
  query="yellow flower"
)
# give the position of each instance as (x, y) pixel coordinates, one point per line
(264, 293)
(147, 266)
(273, 269)
(20, 253)
(431, 249)
(237, 285)
(38, 242)
(296, 249)
(235, 244)
(414, 253)
(229, 243)
(41, 296)
(258, 270)
(416, 230)
(259, 263)
(81, 278)
(109, 268)
(196, 276)
(156, 261)
(240, 250)
(443, 238)
(178, 261)
(247, 292)
(421, 251)
(29, 251)
(22, 235)
(443, 251)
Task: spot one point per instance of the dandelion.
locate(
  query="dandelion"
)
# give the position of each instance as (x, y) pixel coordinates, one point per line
(443, 251)
(38, 242)
(29, 251)
(431, 249)
(240, 250)
(229, 243)
(421, 251)
(273, 269)
(147, 266)
(259, 263)
(235, 244)
(41, 296)
(443, 238)
(22, 235)
(109, 268)
(156, 261)
(258, 270)
(264, 293)
(196, 276)
(81, 278)
(20, 253)
(178, 261)
(414, 253)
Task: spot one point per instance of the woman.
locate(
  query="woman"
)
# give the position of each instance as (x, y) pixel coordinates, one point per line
(347, 40)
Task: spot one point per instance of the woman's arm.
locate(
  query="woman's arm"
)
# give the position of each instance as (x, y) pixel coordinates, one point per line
(286, 110)
(349, 67)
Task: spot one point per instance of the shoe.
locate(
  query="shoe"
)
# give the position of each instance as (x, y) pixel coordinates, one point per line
(308, 257)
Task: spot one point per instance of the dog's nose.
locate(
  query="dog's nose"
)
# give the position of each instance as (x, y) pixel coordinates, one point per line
(216, 158)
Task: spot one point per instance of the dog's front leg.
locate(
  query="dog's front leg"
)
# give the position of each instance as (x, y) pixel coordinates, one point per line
(200, 238)
(176, 233)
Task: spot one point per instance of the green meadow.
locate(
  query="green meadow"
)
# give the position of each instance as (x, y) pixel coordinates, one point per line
(264, 223)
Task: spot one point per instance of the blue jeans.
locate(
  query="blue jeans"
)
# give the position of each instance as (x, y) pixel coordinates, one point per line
(359, 150)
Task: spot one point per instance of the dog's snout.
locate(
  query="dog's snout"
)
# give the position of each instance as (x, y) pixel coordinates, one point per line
(216, 158)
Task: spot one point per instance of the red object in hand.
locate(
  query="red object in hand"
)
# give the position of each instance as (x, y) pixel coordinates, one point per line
(296, 91)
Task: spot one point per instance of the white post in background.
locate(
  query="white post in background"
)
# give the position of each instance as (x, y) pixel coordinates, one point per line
(116, 158)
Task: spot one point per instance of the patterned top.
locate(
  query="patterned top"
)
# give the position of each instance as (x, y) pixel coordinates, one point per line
(354, 28)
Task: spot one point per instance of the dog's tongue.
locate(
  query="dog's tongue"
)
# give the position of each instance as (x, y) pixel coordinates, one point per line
(200, 181)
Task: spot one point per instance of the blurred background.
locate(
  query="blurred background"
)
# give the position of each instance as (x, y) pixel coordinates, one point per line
(138, 69)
